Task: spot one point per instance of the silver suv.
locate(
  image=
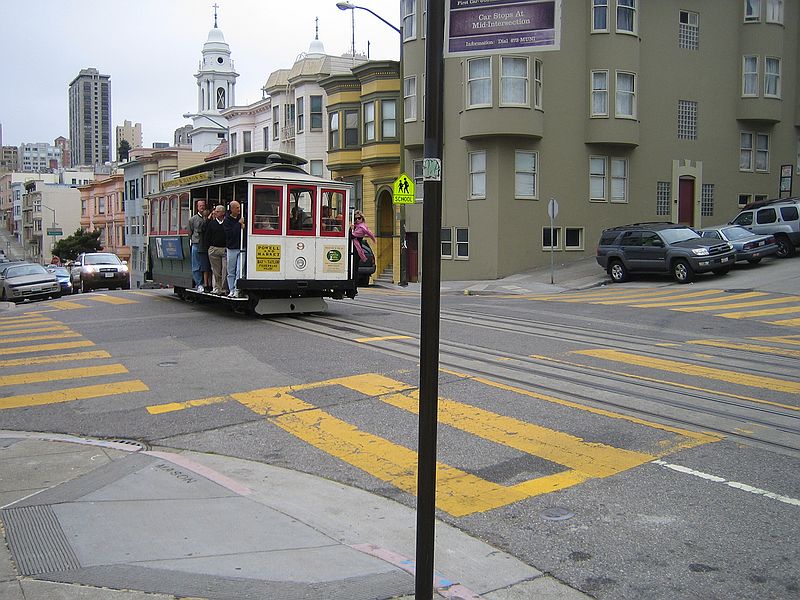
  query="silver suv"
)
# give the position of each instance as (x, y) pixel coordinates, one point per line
(779, 218)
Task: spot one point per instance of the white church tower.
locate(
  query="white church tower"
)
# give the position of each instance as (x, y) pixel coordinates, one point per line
(216, 91)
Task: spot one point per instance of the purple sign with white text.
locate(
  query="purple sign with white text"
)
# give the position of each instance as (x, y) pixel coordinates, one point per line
(482, 26)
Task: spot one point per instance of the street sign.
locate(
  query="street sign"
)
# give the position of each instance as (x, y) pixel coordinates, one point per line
(403, 190)
(54, 231)
(552, 208)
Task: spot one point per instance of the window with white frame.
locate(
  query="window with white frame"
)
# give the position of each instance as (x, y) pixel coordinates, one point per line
(301, 115)
(408, 10)
(619, 180)
(316, 168)
(573, 238)
(423, 33)
(626, 16)
(707, 200)
(479, 82)
(333, 131)
(247, 143)
(410, 98)
(525, 167)
(265, 134)
(513, 81)
(599, 15)
(351, 118)
(599, 93)
(462, 243)
(537, 83)
(744, 199)
(750, 75)
(550, 238)
(663, 198)
(687, 120)
(745, 151)
(597, 178)
(369, 121)
(233, 149)
(752, 10)
(772, 77)
(388, 119)
(762, 152)
(316, 113)
(774, 11)
(276, 122)
(626, 95)
(688, 30)
(477, 174)
(446, 242)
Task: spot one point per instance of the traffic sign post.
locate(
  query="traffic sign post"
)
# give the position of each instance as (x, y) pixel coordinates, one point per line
(552, 212)
(403, 190)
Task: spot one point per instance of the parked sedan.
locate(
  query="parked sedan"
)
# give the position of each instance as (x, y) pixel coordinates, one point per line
(63, 277)
(748, 246)
(27, 281)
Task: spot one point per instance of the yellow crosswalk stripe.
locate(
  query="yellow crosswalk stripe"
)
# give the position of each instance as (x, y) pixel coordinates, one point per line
(60, 374)
(747, 347)
(159, 409)
(7, 326)
(67, 305)
(45, 347)
(36, 329)
(684, 368)
(70, 394)
(44, 360)
(110, 299)
(780, 339)
(726, 306)
(704, 293)
(787, 322)
(383, 338)
(31, 338)
(767, 312)
(703, 301)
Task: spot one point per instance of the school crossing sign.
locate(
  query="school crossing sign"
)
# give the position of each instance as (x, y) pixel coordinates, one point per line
(403, 190)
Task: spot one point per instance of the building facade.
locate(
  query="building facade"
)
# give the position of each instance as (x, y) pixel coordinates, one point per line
(642, 111)
(102, 205)
(131, 133)
(9, 158)
(90, 118)
(49, 212)
(39, 157)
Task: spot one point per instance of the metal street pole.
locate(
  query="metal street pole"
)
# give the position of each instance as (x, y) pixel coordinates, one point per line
(431, 279)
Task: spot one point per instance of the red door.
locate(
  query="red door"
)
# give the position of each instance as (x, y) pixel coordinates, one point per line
(686, 202)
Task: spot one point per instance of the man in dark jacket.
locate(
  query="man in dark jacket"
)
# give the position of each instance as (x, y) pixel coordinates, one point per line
(234, 240)
(215, 238)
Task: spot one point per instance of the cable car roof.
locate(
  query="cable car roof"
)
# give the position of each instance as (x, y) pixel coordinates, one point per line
(246, 162)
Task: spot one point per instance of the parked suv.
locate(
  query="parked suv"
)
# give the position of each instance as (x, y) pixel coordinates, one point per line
(92, 270)
(779, 218)
(661, 248)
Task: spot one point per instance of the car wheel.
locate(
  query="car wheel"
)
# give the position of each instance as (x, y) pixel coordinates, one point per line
(617, 271)
(722, 271)
(682, 272)
(85, 289)
(754, 261)
(785, 246)
(126, 286)
(3, 297)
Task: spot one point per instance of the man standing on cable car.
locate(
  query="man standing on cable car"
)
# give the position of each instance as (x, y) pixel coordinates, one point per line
(234, 241)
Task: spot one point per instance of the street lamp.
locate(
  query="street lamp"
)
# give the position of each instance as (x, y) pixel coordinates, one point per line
(401, 123)
(52, 210)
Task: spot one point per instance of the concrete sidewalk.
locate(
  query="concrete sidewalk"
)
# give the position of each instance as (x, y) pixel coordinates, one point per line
(91, 519)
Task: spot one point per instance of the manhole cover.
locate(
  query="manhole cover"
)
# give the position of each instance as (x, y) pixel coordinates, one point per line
(556, 513)
(168, 363)
(738, 290)
(131, 443)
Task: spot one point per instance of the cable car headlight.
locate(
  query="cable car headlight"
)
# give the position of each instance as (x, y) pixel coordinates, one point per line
(300, 263)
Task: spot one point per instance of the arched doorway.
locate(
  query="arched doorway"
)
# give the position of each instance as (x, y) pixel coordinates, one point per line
(384, 223)
(686, 193)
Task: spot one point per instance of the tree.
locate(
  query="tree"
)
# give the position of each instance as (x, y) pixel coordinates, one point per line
(123, 150)
(81, 241)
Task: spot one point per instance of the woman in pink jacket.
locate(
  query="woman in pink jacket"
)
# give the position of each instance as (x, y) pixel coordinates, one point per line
(359, 231)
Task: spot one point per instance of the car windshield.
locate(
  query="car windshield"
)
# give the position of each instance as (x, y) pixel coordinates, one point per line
(102, 259)
(60, 271)
(678, 234)
(23, 270)
(736, 233)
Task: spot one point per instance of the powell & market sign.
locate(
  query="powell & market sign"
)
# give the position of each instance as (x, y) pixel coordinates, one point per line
(486, 26)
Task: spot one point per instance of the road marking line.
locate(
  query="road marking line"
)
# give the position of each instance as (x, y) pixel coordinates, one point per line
(43, 360)
(780, 339)
(747, 347)
(69, 394)
(614, 293)
(790, 322)
(385, 337)
(767, 312)
(50, 336)
(67, 305)
(704, 293)
(158, 409)
(727, 298)
(60, 374)
(734, 484)
(110, 299)
(26, 317)
(684, 368)
(739, 304)
(45, 347)
(44, 327)
(6, 326)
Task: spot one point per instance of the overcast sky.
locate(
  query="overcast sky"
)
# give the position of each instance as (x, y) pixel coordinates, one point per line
(151, 50)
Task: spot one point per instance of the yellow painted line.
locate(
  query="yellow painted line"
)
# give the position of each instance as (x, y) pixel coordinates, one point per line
(70, 394)
(780, 339)
(747, 347)
(26, 323)
(36, 329)
(385, 337)
(626, 297)
(704, 301)
(613, 292)
(31, 338)
(158, 409)
(17, 318)
(684, 368)
(45, 347)
(740, 304)
(672, 299)
(671, 383)
(789, 322)
(67, 305)
(767, 312)
(44, 360)
(59, 374)
(110, 299)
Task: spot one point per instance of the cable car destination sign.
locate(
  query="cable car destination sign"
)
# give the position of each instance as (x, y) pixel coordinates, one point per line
(493, 26)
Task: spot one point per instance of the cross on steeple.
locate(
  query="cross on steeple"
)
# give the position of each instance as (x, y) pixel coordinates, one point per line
(316, 28)
(215, 6)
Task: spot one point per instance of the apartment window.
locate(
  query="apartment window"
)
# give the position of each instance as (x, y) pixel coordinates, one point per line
(744, 199)
(265, 133)
(288, 115)
(688, 30)
(626, 16)
(597, 178)
(750, 76)
(447, 242)
(599, 93)
(388, 119)
(550, 237)
(663, 198)
(479, 82)
(301, 115)
(525, 164)
(316, 113)
(687, 120)
(408, 18)
(410, 98)
(745, 151)
(350, 128)
(477, 174)
(233, 143)
(707, 200)
(619, 180)
(626, 95)
(762, 152)
(419, 183)
(573, 238)
(316, 168)
(101, 206)
(772, 77)
(774, 11)
(513, 81)
(599, 15)
(369, 121)
(333, 131)
(752, 10)
(276, 122)
(247, 144)
(462, 243)
(537, 84)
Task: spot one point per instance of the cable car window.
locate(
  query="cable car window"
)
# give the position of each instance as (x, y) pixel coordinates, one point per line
(332, 215)
(153, 216)
(173, 214)
(266, 210)
(300, 210)
(185, 213)
(163, 222)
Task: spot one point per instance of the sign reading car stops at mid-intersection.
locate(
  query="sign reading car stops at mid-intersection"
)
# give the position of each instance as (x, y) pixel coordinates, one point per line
(403, 190)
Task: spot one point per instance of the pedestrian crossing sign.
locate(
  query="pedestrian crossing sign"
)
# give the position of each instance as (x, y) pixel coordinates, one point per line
(403, 190)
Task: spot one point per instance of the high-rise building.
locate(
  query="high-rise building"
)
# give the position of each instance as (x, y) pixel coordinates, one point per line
(131, 133)
(90, 118)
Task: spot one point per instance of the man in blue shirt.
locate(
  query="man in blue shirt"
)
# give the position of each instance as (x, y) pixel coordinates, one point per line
(234, 242)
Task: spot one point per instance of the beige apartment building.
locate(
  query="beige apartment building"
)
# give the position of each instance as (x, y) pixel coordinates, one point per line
(636, 110)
